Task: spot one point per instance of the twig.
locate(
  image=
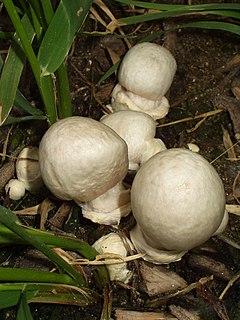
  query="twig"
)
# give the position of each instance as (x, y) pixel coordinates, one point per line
(203, 115)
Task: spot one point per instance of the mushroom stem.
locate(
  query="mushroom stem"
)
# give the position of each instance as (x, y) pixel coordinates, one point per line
(108, 208)
(152, 254)
(127, 100)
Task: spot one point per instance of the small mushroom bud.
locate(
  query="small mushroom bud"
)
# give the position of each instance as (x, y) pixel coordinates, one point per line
(178, 201)
(145, 75)
(15, 189)
(138, 130)
(113, 244)
(28, 170)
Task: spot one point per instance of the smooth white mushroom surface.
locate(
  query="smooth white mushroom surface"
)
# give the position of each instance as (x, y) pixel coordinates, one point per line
(113, 244)
(28, 169)
(145, 75)
(81, 159)
(178, 201)
(138, 130)
(15, 189)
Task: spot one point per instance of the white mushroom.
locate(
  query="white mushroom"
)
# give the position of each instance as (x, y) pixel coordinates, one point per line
(178, 201)
(113, 244)
(145, 75)
(15, 189)
(138, 130)
(28, 170)
(84, 160)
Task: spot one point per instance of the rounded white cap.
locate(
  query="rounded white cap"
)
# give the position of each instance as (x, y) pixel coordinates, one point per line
(81, 158)
(15, 188)
(147, 70)
(138, 130)
(178, 200)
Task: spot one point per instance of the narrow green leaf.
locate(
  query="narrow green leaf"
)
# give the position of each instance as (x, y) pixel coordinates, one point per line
(9, 299)
(159, 6)
(45, 85)
(12, 120)
(224, 26)
(12, 71)
(10, 220)
(60, 34)
(31, 275)
(110, 71)
(23, 311)
(22, 103)
(6, 35)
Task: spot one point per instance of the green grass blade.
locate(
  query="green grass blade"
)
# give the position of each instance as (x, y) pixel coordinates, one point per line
(43, 293)
(23, 311)
(8, 237)
(6, 35)
(32, 275)
(110, 71)
(8, 300)
(12, 71)
(10, 220)
(159, 6)
(45, 85)
(12, 120)
(22, 103)
(58, 39)
(224, 26)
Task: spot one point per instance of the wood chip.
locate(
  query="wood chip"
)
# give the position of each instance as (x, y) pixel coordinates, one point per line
(136, 315)
(158, 279)
(209, 265)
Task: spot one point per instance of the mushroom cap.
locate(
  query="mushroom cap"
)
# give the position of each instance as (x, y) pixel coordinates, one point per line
(28, 170)
(15, 188)
(81, 158)
(178, 200)
(137, 129)
(147, 70)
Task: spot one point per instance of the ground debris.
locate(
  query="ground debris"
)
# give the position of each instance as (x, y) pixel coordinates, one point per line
(232, 105)
(182, 314)
(137, 315)
(210, 266)
(158, 279)
(217, 304)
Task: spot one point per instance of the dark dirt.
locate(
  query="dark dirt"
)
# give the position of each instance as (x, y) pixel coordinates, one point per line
(204, 73)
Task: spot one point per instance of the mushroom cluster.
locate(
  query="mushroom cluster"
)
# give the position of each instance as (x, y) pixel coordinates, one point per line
(177, 198)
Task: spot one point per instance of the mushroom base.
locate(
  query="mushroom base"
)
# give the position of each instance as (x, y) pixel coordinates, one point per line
(126, 100)
(108, 208)
(153, 255)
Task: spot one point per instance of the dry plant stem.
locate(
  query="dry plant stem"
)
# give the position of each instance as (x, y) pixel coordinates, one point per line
(227, 141)
(105, 9)
(234, 187)
(229, 285)
(232, 105)
(233, 208)
(158, 301)
(98, 261)
(229, 241)
(5, 144)
(203, 115)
